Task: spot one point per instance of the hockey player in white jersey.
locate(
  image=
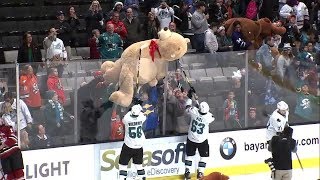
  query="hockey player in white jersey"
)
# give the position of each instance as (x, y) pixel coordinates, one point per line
(278, 120)
(133, 142)
(276, 124)
(197, 135)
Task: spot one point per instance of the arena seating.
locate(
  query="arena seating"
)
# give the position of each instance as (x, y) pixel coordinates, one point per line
(20, 16)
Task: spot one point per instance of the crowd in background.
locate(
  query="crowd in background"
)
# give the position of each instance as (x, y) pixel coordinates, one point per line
(110, 31)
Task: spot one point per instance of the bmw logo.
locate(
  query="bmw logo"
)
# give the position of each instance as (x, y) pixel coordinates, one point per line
(228, 148)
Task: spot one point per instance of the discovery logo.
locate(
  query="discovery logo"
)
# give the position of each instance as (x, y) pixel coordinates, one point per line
(228, 148)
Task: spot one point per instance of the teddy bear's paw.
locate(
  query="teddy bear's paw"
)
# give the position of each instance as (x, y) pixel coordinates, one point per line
(107, 65)
(121, 99)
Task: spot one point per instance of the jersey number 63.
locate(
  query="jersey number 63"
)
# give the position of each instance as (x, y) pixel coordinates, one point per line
(197, 127)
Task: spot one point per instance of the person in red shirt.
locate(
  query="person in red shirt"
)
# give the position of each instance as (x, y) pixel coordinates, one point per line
(93, 44)
(10, 153)
(54, 83)
(119, 27)
(29, 90)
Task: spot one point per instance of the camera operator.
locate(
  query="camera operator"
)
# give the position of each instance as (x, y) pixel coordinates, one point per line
(281, 147)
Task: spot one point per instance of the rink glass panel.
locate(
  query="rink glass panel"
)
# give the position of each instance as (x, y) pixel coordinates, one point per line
(212, 76)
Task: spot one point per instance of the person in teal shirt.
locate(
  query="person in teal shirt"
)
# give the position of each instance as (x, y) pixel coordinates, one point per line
(110, 44)
(304, 103)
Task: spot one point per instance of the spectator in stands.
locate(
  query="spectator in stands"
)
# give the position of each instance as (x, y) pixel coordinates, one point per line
(271, 95)
(311, 49)
(230, 112)
(29, 52)
(175, 112)
(29, 91)
(224, 43)
(177, 80)
(305, 59)
(281, 4)
(93, 44)
(253, 10)
(285, 64)
(304, 103)
(74, 23)
(236, 9)
(110, 44)
(119, 26)
(210, 41)
(133, 27)
(305, 35)
(55, 52)
(164, 13)
(302, 13)
(63, 29)
(55, 115)
(287, 10)
(134, 5)
(218, 12)
(150, 109)
(312, 80)
(200, 25)
(185, 15)
(89, 116)
(228, 6)
(54, 84)
(239, 44)
(3, 88)
(173, 27)
(24, 140)
(42, 140)
(253, 119)
(263, 55)
(94, 17)
(118, 7)
(9, 113)
(151, 27)
(316, 15)
(292, 32)
(276, 37)
(256, 85)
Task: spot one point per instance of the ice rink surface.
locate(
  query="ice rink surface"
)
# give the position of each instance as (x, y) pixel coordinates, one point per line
(298, 174)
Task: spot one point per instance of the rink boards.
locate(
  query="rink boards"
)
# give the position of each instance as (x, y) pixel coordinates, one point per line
(234, 153)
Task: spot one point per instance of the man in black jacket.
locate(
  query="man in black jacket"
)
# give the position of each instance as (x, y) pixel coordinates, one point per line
(64, 32)
(282, 147)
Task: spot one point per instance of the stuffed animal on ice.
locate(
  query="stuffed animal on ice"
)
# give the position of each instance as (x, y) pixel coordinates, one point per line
(150, 57)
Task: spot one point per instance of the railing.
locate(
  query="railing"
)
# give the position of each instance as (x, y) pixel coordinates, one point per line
(215, 78)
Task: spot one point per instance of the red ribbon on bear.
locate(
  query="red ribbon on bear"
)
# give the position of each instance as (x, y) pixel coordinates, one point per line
(152, 48)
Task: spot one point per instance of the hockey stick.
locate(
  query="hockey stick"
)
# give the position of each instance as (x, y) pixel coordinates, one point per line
(239, 123)
(299, 160)
(189, 83)
(138, 69)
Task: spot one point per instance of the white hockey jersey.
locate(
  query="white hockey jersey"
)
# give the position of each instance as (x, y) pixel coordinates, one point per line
(134, 135)
(199, 125)
(276, 123)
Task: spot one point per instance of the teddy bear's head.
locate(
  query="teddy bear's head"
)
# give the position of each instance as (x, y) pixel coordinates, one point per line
(172, 45)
